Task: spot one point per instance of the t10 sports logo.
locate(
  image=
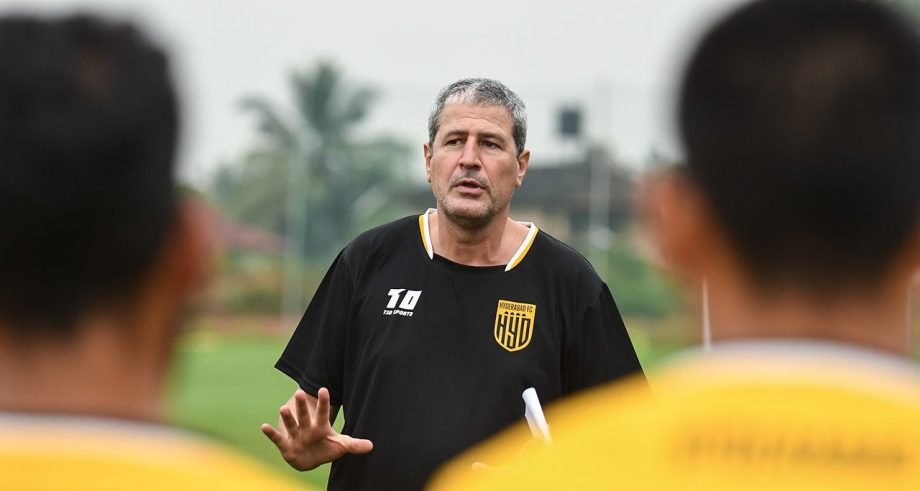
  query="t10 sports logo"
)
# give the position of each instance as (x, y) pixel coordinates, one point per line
(402, 303)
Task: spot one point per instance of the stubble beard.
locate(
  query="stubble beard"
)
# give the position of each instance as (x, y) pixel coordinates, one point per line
(467, 218)
(473, 217)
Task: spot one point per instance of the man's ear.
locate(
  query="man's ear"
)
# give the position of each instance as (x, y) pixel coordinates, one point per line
(197, 242)
(908, 261)
(183, 265)
(427, 151)
(179, 272)
(523, 160)
(680, 224)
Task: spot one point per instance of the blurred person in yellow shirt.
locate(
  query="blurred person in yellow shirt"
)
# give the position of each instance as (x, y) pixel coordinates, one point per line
(98, 257)
(798, 207)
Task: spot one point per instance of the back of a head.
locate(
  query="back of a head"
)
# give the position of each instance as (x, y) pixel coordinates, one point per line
(88, 129)
(800, 120)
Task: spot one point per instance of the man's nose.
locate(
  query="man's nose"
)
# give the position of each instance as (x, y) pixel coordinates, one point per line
(470, 156)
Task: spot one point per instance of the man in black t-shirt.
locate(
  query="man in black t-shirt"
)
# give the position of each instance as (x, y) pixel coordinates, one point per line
(427, 329)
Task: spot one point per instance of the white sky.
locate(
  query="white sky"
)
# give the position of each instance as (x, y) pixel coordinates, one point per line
(618, 58)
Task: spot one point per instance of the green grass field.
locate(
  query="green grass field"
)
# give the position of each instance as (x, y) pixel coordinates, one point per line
(226, 386)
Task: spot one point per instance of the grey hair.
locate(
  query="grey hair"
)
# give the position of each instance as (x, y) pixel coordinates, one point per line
(485, 92)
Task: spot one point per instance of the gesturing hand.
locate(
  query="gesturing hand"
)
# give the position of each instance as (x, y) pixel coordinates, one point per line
(306, 439)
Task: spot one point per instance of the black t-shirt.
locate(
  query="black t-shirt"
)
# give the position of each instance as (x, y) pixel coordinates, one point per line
(428, 357)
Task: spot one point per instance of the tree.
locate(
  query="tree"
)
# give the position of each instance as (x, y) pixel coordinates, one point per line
(308, 178)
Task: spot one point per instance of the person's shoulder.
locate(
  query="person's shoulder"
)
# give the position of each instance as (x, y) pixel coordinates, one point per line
(715, 426)
(563, 261)
(560, 251)
(579, 426)
(398, 235)
(101, 453)
(397, 229)
(222, 467)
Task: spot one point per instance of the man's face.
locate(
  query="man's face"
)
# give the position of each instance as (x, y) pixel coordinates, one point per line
(472, 165)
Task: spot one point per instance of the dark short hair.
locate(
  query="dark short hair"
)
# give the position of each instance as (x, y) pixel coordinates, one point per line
(88, 129)
(801, 125)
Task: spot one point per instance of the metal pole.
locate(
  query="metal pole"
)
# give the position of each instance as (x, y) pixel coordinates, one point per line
(909, 320)
(292, 272)
(707, 326)
(599, 211)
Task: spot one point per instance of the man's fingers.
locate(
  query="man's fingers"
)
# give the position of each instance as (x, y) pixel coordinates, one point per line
(290, 424)
(273, 435)
(304, 412)
(322, 406)
(356, 445)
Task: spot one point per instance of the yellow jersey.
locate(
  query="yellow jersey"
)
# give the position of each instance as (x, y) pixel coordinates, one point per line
(65, 453)
(754, 416)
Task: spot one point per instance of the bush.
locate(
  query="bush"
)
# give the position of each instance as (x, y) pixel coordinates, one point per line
(639, 288)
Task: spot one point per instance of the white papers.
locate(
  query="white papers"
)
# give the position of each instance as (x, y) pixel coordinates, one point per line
(533, 412)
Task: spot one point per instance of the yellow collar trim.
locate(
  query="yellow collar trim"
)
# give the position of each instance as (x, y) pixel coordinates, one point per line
(525, 246)
(425, 231)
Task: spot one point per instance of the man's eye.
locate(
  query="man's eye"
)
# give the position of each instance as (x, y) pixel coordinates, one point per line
(452, 141)
(489, 144)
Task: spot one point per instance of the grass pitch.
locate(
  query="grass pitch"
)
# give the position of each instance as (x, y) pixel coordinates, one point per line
(226, 386)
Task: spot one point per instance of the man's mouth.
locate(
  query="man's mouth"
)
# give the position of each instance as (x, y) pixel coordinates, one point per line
(468, 184)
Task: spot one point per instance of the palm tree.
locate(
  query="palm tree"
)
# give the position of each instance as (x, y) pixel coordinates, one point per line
(313, 141)
(307, 153)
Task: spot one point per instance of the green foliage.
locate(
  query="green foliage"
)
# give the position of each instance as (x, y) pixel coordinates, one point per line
(639, 289)
(308, 178)
(328, 110)
(252, 190)
(252, 300)
(248, 283)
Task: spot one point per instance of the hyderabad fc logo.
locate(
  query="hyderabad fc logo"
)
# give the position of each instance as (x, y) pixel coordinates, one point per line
(514, 324)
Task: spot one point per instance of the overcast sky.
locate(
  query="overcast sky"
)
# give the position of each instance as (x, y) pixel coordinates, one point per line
(617, 58)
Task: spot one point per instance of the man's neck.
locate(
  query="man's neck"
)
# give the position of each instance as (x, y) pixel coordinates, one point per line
(92, 375)
(493, 244)
(878, 321)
